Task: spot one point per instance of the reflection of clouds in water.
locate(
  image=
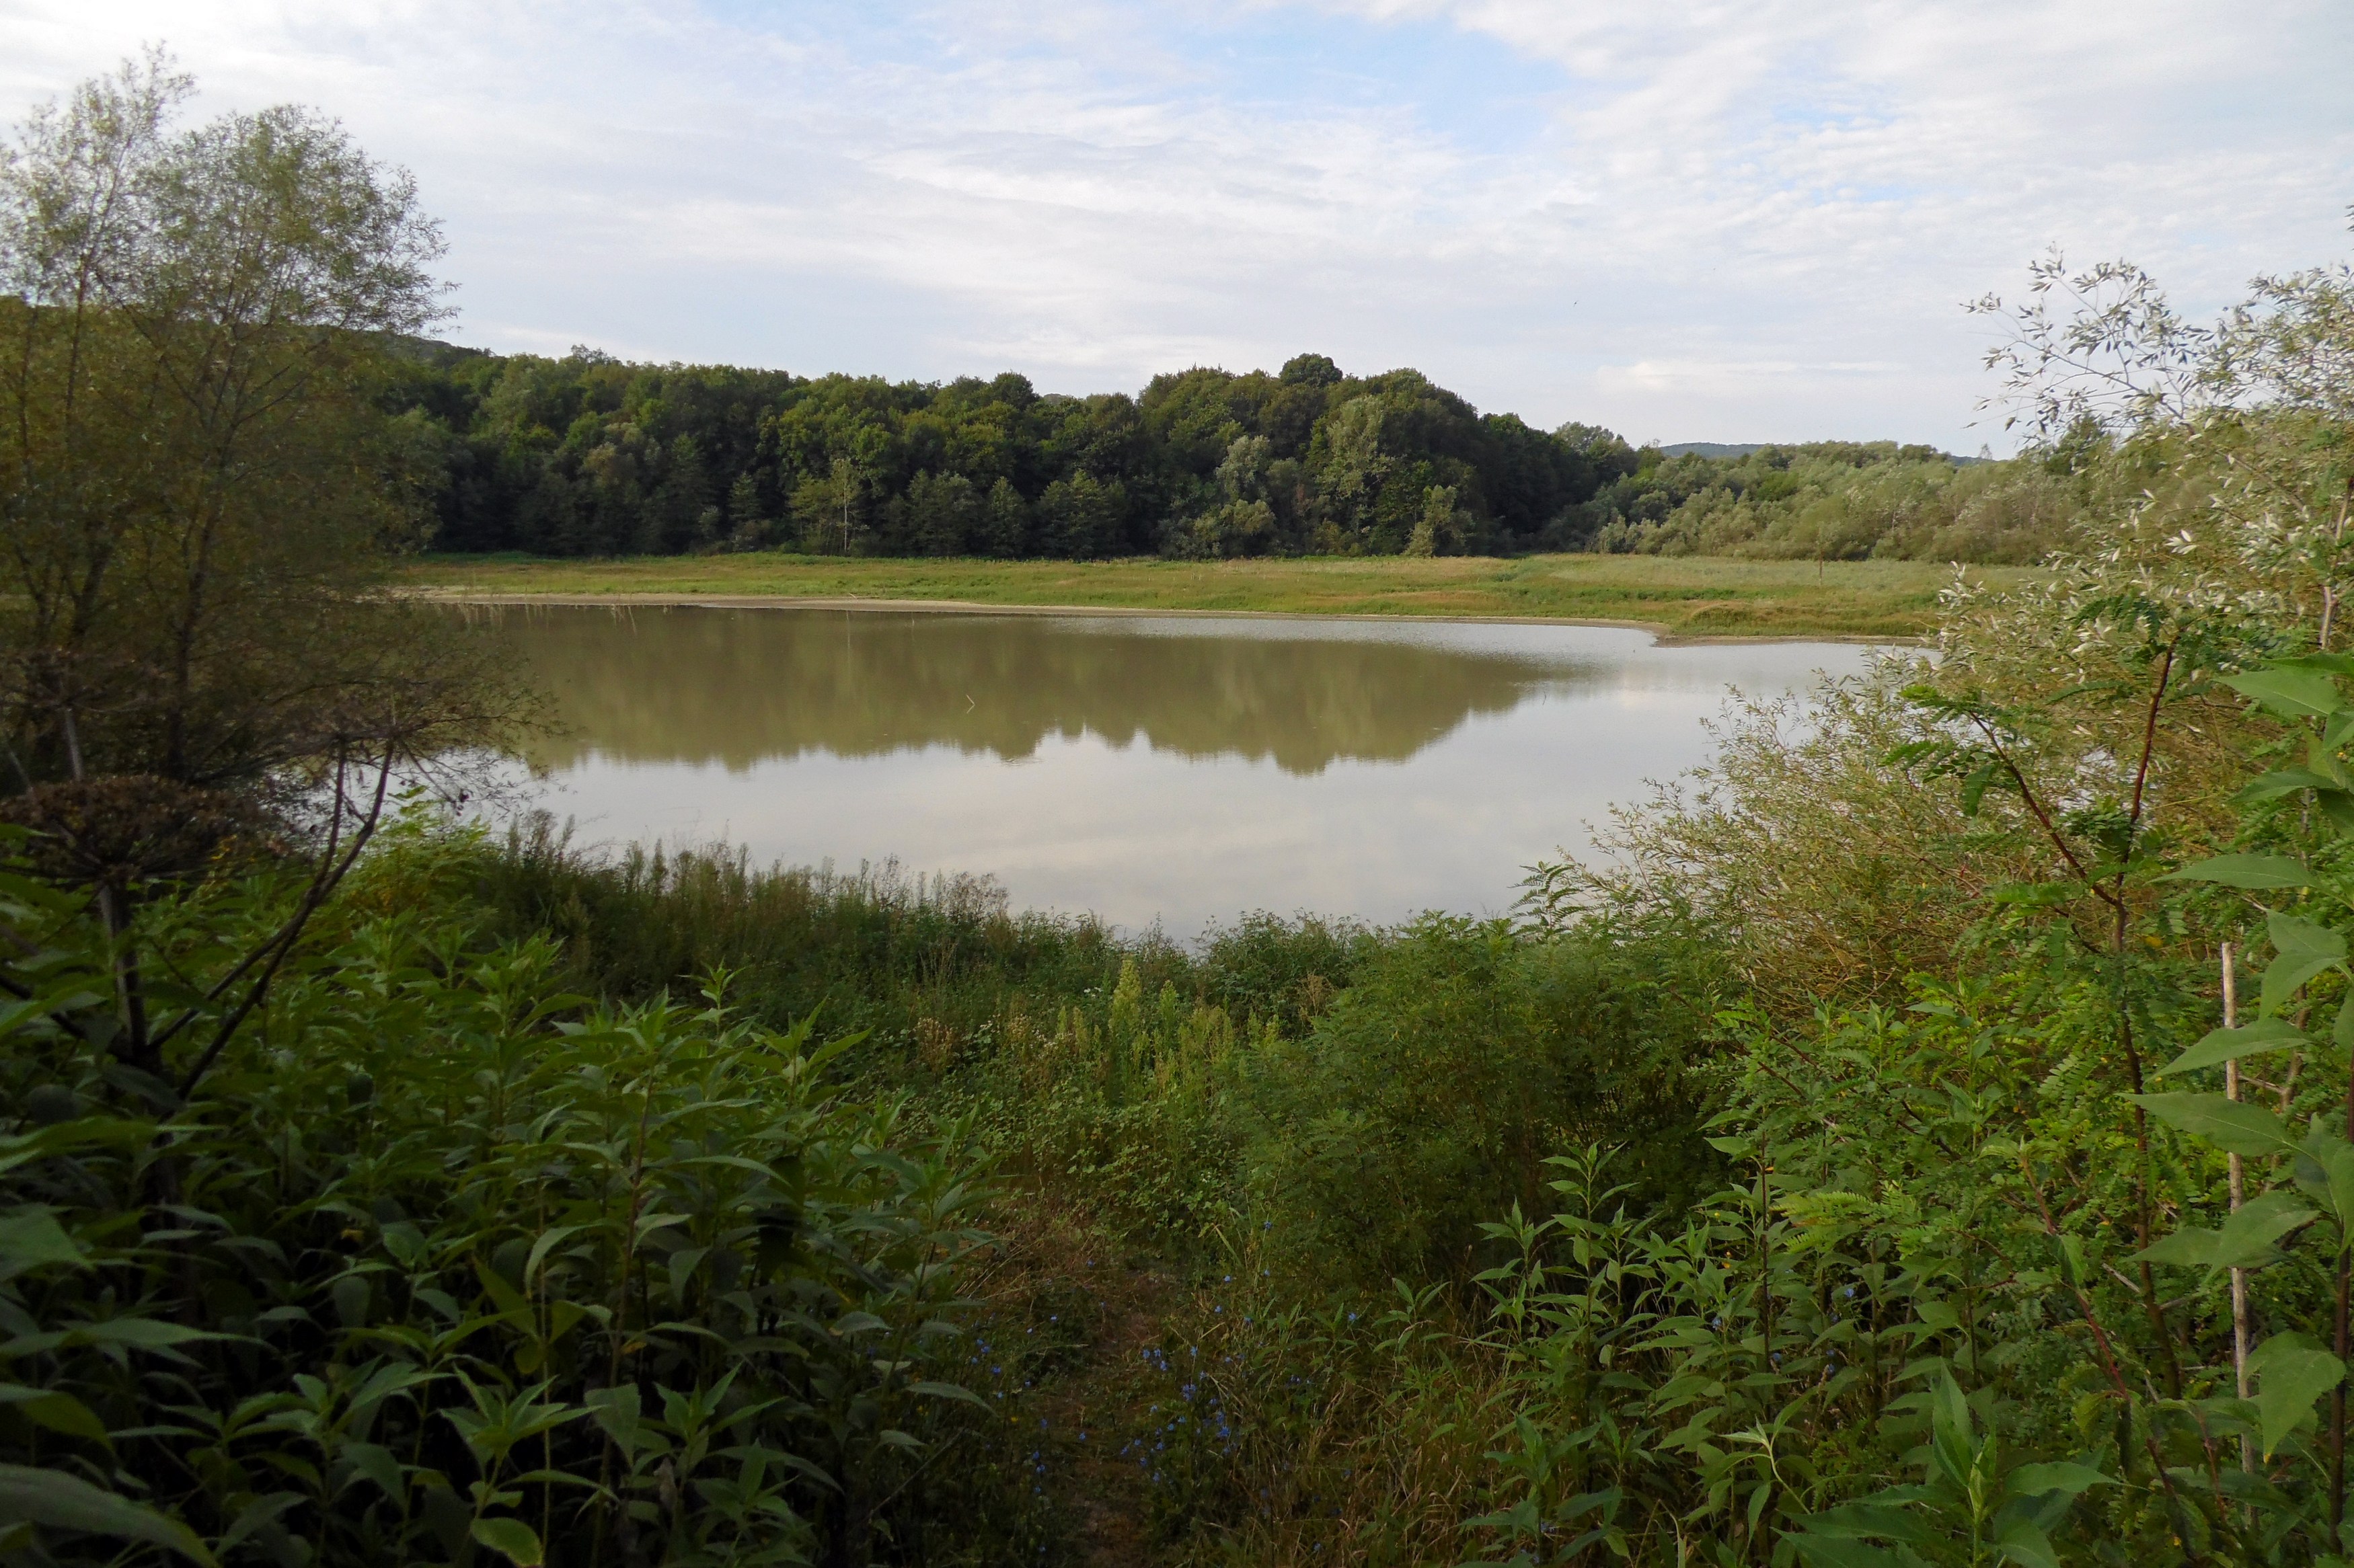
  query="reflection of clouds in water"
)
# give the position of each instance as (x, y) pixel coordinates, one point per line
(1135, 833)
(746, 688)
(743, 688)
(1564, 645)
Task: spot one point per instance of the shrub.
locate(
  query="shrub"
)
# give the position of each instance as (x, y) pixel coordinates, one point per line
(1429, 1096)
(437, 1263)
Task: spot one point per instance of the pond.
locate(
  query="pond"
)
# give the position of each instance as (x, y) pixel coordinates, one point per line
(1183, 769)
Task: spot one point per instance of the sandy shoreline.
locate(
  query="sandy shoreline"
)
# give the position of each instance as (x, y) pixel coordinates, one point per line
(1658, 630)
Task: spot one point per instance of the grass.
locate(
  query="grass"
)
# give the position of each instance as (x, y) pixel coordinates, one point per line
(1681, 597)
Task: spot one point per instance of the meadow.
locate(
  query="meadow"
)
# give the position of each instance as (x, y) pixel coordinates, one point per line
(1682, 597)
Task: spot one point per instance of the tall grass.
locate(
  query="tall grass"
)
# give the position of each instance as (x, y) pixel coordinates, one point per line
(927, 966)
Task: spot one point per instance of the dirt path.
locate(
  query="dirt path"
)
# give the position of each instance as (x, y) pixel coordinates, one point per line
(1104, 1493)
(1060, 1267)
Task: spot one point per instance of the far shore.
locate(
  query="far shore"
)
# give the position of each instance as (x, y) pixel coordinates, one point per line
(1666, 635)
(1677, 600)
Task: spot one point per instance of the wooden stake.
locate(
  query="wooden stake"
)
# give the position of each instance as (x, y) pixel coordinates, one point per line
(2239, 1196)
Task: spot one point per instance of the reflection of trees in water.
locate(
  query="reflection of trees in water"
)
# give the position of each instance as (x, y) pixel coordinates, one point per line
(737, 686)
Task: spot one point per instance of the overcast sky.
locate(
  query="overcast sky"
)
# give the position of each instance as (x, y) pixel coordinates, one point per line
(1684, 220)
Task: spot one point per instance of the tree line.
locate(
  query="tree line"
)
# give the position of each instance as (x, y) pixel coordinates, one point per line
(589, 456)
(1845, 501)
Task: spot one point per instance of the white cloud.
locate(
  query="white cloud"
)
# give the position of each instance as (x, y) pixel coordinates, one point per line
(1699, 221)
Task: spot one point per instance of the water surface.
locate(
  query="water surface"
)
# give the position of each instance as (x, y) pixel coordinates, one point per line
(1181, 769)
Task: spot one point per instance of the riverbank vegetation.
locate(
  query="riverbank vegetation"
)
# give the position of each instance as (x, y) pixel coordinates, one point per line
(1927, 1138)
(1683, 597)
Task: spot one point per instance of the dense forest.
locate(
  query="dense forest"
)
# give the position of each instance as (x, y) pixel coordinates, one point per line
(589, 456)
(1926, 1138)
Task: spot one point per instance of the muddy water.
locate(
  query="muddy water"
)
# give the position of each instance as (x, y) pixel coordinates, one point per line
(1179, 769)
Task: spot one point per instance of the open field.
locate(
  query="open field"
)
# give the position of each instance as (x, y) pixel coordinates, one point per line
(1681, 597)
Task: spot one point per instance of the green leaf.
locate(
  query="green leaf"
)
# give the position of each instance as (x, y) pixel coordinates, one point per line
(1974, 788)
(2296, 938)
(2339, 1174)
(1831, 1551)
(2192, 1247)
(2059, 1476)
(511, 1538)
(508, 1299)
(146, 1333)
(2248, 1233)
(2292, 1372)
(378, 1465)
(2286, 781)
(2337, 805)
(2245, 1240)
(2233, 1127)
(1952, 1445)
(1871, 1520)
(2324, 1172)
(2292, 694)
(539, 1250)
(2022, 1543)
(2306, 949)
(617, 1413)
(2253, 872)
(64, 1502)
(947, 1391)
(2336, 663)
(2221, 1046)
(254, 1515)
(682, 1264)
(2037, 895)
(58, 1411)
(32, 1238)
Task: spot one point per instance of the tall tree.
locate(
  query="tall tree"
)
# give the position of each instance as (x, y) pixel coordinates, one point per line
(197, 483)
(199, 491)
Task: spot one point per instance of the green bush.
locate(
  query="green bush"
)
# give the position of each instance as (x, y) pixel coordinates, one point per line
(438, 1265)
(1464, 1053)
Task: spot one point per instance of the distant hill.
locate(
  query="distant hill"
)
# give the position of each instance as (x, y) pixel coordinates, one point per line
(1714, 449)
(1742, 449)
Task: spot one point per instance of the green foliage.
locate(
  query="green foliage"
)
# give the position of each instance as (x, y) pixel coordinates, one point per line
(1834, 501)
(587, 456)
(932, 971)
(1970, 1507)
(1965, 1195)
(196, 486)
(1428, 1097)
(436, 1257)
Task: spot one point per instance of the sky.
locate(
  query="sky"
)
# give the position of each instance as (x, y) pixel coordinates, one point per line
(1682, 219)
